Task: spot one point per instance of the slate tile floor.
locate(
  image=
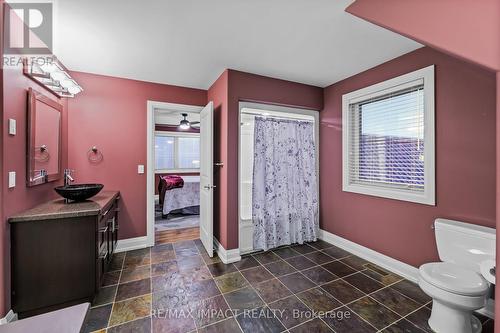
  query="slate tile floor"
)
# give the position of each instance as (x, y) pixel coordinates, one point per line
(274, 286)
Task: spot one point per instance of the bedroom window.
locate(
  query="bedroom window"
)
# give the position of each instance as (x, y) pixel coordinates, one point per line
(176, 152)
(388, 138)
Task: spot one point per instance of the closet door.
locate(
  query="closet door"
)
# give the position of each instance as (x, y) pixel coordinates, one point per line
(206, 177)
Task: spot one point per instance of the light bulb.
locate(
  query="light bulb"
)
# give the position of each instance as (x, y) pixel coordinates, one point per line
(74, 90)
(184, 126)
(67, 83)
(58, 76)
(49, 67)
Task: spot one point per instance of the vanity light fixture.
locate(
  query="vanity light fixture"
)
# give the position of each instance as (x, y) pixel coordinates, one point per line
(53, 76)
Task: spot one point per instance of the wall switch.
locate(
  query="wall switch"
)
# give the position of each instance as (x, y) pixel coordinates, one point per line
(12, 179)
(140, 168)
(12, 127)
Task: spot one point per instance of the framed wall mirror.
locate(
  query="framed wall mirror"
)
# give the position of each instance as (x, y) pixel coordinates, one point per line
(44, 160)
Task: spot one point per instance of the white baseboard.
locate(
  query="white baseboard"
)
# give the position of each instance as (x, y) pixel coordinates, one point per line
(9, 317)
(407, 271)
(227, 256)
(132, 244)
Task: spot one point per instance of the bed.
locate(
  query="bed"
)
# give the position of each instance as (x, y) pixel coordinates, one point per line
(179, 198)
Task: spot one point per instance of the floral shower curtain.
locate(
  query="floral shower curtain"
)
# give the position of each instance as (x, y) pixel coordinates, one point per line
(285, 193)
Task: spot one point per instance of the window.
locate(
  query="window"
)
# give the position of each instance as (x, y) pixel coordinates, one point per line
(164, 152)
(388, 138)
(177, 152)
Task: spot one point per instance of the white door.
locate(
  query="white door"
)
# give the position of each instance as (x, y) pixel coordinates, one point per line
(207, 177)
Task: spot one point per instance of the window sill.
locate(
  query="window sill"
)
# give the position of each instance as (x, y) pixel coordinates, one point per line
(425, 198)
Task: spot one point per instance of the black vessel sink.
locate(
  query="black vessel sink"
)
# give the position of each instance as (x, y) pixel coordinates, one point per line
(79, 192)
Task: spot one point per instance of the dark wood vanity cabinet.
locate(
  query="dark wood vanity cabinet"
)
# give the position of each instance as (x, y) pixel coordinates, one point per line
(60, 252)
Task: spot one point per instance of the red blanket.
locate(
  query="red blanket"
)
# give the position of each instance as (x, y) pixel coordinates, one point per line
(169, 182)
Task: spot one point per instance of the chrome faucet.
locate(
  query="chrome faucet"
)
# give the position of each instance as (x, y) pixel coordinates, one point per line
(68, 179)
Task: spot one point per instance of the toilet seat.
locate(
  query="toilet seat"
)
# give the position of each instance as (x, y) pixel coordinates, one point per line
(454, 279)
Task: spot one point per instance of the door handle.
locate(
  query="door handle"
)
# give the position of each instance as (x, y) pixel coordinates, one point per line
(208, 187)
(219, 164)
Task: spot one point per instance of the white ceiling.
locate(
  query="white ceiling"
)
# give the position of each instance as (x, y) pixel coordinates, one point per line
(173, 117)
(190, 42)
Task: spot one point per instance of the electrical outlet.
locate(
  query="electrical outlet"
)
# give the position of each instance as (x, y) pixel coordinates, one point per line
(140, 169)
(12, 179)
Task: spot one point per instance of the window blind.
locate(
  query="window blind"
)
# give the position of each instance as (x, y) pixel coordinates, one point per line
(386, 139)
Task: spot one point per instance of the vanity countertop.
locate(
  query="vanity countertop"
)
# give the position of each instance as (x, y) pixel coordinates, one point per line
(59, 209)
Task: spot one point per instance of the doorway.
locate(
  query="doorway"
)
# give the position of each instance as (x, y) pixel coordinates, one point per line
(247, 113)
(180, 149)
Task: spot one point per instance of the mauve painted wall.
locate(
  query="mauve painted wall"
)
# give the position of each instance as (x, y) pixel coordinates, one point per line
(465, 161)
(15, 200)
(255, 88)
(111, 114)
(464, 28)
(218, 93)
(497, 290)
(4, 248)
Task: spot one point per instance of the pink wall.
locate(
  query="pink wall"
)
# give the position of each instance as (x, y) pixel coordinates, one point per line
(464, 28)
(218, 94)
(230, 88)
(15, 92)
(226, 93)
(465, 161)
(111, 114)
(256, 88)
(4, 245)
(497, 290)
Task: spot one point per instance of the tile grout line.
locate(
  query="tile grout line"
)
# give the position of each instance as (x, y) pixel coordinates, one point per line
(258, 295)
(404, 317)
(316, 286)
(251, 287)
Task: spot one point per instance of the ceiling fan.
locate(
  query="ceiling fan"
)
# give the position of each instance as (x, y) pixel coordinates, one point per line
(186, 124)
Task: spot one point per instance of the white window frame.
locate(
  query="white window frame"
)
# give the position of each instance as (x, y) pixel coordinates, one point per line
(428, 196)
(176, 156)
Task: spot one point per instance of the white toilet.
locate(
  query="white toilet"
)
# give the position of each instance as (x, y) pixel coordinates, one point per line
(457, 285)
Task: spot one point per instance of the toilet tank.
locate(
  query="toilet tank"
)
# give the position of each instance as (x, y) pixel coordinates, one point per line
(464, 244)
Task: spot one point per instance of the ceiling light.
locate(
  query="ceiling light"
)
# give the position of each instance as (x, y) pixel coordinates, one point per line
(184, 123)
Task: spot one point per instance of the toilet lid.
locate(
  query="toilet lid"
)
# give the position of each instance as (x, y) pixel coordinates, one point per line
(454, 278)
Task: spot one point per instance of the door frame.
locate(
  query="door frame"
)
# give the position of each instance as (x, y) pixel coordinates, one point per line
(277, 108)
(150, 162)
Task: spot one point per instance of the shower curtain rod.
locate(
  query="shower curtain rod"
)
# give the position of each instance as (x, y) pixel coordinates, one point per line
(276, 117)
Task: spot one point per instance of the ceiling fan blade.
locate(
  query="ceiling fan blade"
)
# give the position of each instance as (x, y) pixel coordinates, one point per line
(194, 122)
